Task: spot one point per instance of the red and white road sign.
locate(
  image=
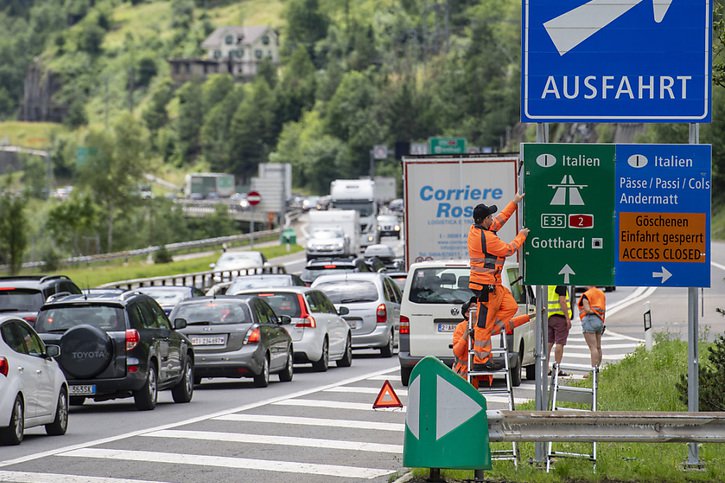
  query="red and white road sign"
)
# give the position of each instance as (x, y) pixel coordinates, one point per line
(254, 198)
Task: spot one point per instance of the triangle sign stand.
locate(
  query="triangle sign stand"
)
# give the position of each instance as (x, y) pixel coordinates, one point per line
(387, 398)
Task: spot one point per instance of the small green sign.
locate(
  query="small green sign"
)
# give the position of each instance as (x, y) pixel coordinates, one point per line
(445, 422)
(569, 208)
(439, 145)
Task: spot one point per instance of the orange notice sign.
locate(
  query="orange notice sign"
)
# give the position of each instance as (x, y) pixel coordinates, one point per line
(662, 237)
(387, 398)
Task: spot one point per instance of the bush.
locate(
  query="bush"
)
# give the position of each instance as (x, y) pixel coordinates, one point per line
(51, 260)
(712, 379)
(162, 255)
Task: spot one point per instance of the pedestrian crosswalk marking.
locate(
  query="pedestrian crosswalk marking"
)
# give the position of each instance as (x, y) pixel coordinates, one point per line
(328, 423)
(27, 477)
(319, 403)
(340, 471)
(607, 346)
(278, 440)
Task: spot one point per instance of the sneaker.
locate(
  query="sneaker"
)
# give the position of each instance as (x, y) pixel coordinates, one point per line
(549, 371)
(564, 374)
(489, 366)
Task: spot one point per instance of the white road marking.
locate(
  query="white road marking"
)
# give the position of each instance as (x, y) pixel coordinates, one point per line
(278, 440)
(606, 357)
(717, 265)
(227, 462)
(318, 403)
(328, 423)
(379, 378)
(604, 345)
(206, 417)
(363, 390)
(26, 477)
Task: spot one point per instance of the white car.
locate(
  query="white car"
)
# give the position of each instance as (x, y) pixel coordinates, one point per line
(431, 309)
(327, 242)
(33, 389)
(234, 261)
(319, 333)
(373, 301)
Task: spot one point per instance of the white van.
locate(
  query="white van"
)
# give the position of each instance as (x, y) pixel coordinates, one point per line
(431, 309)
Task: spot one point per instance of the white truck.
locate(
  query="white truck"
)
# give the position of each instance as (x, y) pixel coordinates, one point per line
(358, 195)
(385, 189)
(325, 244)
(440, 194)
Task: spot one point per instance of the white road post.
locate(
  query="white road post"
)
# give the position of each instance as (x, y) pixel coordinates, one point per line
(647, 326)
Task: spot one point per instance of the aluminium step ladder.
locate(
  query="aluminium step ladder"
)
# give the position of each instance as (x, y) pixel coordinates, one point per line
(559, 393)
(496, 353)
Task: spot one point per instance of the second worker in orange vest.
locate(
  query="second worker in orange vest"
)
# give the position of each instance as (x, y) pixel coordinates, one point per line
(487, 253)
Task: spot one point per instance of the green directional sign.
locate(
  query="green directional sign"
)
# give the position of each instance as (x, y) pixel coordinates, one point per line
(445, 422)
(569, 208)
(441, 145)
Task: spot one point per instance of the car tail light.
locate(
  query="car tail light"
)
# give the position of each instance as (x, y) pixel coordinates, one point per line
(132, 339)
(330, 266)
(30, 319)
(6, 289)
(253, 336)
(404, 325)
(4, 366)
(307, 319)
(381, 314)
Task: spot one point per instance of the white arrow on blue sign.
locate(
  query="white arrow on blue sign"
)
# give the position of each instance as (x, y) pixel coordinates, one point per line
(616, 60)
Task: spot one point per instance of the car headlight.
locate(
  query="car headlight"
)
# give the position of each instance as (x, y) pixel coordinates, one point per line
(397, 227)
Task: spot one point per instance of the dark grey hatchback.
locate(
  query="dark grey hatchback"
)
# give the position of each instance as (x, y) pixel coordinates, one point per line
(238, 336)
(116, 346)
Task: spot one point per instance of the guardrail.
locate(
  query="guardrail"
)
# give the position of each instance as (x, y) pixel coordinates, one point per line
(602, 426)
(200, 280)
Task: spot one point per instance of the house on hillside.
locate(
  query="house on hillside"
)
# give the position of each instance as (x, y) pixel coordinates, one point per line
(230, 50)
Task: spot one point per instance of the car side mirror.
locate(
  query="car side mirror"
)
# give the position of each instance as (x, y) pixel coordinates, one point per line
(52, 350)
(284, 319)
(179, 324)
(343, 311)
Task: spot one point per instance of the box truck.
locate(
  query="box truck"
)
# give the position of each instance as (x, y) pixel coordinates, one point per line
(440, 194)
(327, 244)
(358, 195)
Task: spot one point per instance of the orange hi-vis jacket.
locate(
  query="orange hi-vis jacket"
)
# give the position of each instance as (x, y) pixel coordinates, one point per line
(597, 301)
(487, 252)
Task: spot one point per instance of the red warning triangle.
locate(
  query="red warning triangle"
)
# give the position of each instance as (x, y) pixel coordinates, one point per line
(387, 397)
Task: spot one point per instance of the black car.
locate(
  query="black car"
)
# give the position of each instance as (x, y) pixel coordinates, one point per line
(118, 346)
(264, 280)
(24, 295)
(237, 337)
(318, 266)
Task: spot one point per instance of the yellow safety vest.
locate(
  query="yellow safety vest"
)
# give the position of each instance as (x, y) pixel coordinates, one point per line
(554, 307)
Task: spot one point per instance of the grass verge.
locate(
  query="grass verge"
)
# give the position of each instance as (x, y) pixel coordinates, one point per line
(643, 381)
(98, 274)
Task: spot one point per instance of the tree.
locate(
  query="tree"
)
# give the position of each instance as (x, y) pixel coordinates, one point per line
(296, 91)
(71, 220)
(114, 169)
(215, 140)
(189, 122)
(306, 25)
(215, 89)
(13, 229)
(156, 116)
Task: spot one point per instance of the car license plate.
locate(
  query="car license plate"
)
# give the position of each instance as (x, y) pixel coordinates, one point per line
(83, 390)
(208, 340)
(445, 327)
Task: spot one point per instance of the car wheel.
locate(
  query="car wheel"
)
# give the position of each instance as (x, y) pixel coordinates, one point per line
(77, 400)
(145, 398)
(60, 424)
(288, 372)
(405, 375)
(13, 434)
(346, 360)
(387, 351)
(262, 380)
(516, 372)
(184, 390)
(324, 362)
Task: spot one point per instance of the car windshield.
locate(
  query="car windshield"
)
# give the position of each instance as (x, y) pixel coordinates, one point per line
(310, 274)
(211, 312)
(165, 296)
(440, 285)
(388, 219)
(59, 319)
(326, 234)
(231, 258)
(282, 303)
(20, 299)
(349, 291)
(245, 283)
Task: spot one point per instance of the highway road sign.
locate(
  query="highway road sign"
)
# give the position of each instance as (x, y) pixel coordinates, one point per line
(614, 61)
(627, 214)
(445, 423)
(254, 198)
(439, 145)
(569, 210)
(663, 215)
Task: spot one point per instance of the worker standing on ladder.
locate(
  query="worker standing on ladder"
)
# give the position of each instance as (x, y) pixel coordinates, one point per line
(487, 252)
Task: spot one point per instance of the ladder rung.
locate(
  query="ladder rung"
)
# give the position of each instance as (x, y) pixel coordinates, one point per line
(585, 390)
(493, 391)
(487, 373)
(560, 454)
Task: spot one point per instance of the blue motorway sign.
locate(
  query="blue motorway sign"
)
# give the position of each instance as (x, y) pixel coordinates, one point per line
(662, 206)
(615, 61)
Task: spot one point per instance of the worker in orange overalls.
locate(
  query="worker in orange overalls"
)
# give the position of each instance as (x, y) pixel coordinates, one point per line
(487, 253)
(460, 343)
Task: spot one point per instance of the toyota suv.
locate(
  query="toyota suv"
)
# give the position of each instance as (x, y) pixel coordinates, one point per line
(117, 346)
(24, 295)
(431, 309)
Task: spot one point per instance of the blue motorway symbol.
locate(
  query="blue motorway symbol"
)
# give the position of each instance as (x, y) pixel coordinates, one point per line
(610, 61)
